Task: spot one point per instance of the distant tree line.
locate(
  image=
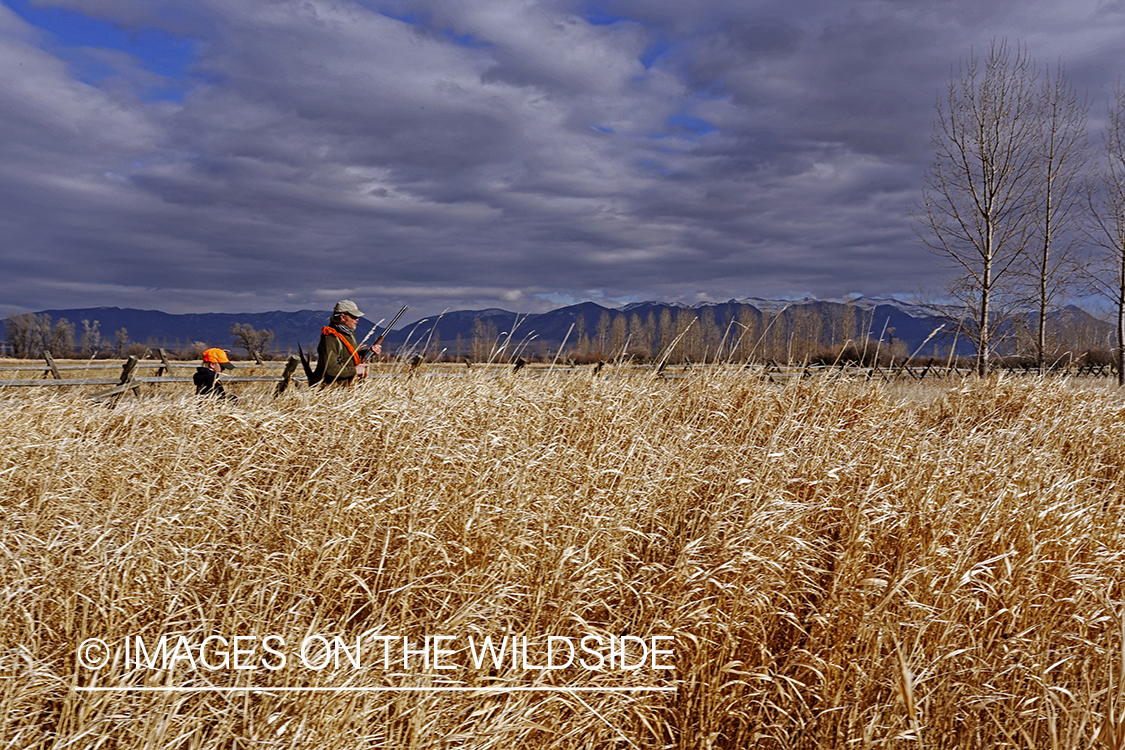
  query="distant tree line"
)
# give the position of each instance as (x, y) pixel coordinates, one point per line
(733, 332)
(30, 335)
(823, 333)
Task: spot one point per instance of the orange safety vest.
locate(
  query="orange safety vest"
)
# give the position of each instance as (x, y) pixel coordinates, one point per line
(355, 355)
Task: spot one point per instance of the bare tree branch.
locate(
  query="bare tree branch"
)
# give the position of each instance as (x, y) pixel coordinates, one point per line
(978, 199)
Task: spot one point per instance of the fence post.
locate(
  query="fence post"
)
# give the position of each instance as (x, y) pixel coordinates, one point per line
(125, 384)
(127, 370)
(51, 364)
(166, 368)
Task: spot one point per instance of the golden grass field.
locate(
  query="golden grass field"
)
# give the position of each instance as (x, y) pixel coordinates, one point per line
(837, 564)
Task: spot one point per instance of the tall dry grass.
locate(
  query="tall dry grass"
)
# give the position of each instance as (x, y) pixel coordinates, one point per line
(839, 566)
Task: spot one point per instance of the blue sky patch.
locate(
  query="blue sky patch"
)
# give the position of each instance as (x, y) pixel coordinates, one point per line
(158, 51)
(466, 40)
(425, 22)
(690, 124)
(597, 18)
(654, 51)
(412, 18)
(596, 15)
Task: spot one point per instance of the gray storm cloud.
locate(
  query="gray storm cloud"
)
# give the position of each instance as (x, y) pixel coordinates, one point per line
(491, 153)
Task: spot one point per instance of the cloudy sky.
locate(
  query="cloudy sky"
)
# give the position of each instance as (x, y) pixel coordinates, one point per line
(253, 155)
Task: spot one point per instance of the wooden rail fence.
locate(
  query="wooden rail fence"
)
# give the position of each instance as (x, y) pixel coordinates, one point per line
(129, 378)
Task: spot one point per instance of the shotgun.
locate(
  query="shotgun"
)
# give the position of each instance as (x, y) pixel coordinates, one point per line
(382, 336)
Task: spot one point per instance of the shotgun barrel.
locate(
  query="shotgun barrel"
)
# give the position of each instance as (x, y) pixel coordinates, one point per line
(386, 330)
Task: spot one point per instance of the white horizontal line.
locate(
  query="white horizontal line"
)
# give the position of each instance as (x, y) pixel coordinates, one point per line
(248, 689)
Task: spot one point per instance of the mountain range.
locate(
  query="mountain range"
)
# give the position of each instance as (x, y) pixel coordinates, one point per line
(887, 319)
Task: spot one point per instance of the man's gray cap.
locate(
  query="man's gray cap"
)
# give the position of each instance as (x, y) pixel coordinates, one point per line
(347, 306)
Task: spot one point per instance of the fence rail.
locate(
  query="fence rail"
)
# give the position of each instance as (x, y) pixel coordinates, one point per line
(778, 372)
(775, 372)
(129, 381)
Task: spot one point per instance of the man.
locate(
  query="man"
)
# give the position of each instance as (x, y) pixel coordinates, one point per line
(206, 377)
(338, 362)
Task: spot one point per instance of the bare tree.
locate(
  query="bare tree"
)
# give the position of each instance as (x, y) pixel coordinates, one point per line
(709, 335)
(746, 341)
(602, 331)
(1107, 212)
(255, 342)
(28, 334)
(618, 336)
(977, 198)
(62, 338)
(120, 341)
(687, 333)
(581, 340)
(484, 338)
(666, 334)
(1063, 163)
(91, 337)
(640, 336)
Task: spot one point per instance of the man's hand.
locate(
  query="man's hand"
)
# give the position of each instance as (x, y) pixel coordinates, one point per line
(376, 350)
(361, 371)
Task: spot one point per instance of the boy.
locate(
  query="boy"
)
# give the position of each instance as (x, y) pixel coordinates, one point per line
(206, 377)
